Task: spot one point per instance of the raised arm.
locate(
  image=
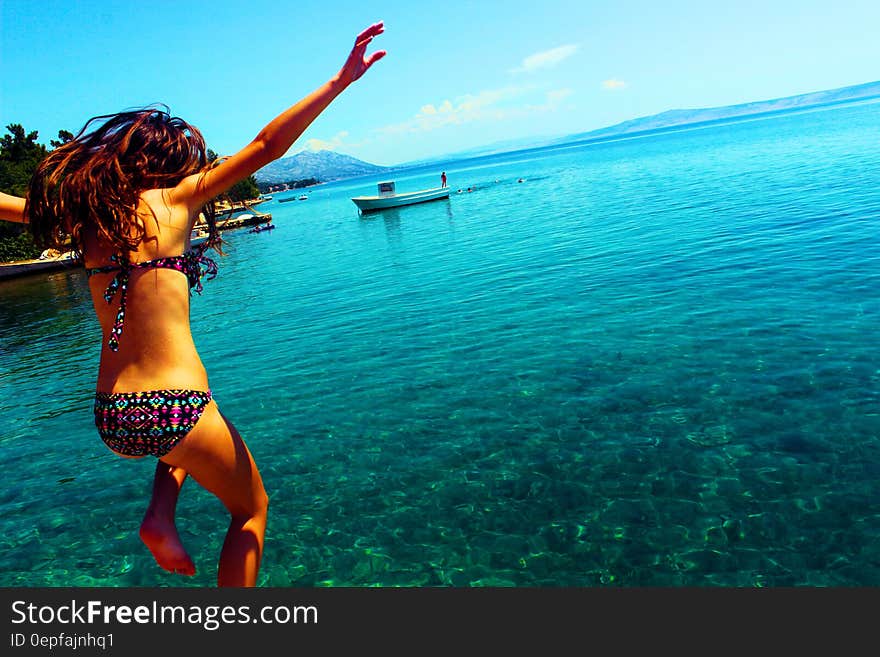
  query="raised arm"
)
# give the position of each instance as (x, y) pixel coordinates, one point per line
(11, 208)
(279, 135)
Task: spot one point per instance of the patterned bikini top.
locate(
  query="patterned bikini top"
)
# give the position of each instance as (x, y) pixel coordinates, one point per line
(194, 264)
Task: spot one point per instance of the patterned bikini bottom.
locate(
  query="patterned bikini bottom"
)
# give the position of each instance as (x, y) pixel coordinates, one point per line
(152, 422)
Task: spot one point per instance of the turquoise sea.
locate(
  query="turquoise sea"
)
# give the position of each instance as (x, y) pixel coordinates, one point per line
(653, 362)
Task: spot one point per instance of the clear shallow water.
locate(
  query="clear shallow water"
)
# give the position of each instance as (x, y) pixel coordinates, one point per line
(651, 363)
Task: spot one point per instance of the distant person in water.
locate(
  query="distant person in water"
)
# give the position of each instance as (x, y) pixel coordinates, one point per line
(126, 192)
(443, 179)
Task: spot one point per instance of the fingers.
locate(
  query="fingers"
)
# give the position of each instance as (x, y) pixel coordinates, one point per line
(362, 43)
(357, 63)
(374, 30)
(375, 57)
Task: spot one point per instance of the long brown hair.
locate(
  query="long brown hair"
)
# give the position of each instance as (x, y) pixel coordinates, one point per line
(96, 179)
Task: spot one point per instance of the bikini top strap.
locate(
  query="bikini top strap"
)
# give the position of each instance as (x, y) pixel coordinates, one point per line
(119, 282)
(193, 264)
(199, 265)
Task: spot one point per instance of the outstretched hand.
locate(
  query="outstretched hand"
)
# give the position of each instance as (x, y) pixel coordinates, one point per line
(358, 63)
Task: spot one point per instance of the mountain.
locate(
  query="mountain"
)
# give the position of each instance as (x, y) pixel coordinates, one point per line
(691, 117)
(323, 165)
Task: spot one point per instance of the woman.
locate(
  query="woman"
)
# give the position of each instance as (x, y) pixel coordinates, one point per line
(126, 192)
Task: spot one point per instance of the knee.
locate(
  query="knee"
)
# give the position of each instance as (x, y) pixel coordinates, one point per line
(256, 509)
(262, 502)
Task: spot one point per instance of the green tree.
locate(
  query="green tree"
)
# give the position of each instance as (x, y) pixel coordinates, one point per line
(244, 190)
(64, 136)
(19, 156)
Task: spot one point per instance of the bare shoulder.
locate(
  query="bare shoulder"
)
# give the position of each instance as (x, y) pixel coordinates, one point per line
(167, 223)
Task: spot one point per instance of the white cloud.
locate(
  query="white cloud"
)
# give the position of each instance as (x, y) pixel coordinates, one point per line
(486, 105)
(613, 85)
(334, 143)
(430, 110)
(545, 59)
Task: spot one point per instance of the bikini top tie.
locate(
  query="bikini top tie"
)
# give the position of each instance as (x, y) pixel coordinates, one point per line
(194, 264)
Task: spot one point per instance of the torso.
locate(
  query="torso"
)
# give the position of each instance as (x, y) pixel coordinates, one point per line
(156, 349)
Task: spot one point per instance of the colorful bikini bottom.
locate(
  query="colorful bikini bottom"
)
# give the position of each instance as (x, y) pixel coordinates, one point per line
(152, 422)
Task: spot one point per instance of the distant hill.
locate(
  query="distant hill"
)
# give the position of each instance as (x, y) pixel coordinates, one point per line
(323, 165)
(684, 117)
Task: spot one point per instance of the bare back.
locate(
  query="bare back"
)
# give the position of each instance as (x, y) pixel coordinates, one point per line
(156, 349)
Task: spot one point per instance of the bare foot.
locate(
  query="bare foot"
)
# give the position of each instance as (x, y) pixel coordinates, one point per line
(161, 537)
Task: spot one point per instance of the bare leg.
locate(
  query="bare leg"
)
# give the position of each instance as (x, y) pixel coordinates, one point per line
(217, 458)
(158, 530)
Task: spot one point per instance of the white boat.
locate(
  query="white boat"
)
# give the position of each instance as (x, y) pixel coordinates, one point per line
(389, 198)
(197, 236)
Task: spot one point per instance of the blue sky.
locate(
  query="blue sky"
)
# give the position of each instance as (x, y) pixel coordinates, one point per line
(458, 75)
